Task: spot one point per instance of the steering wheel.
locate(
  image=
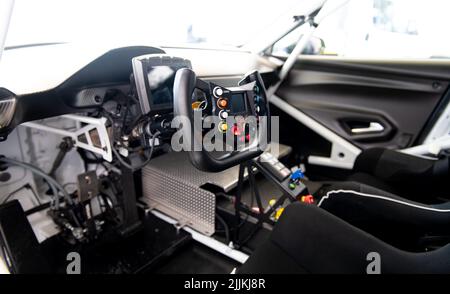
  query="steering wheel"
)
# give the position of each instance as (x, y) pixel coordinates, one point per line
(221, 127)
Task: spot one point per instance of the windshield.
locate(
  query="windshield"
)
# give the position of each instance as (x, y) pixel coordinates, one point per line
(205, 22)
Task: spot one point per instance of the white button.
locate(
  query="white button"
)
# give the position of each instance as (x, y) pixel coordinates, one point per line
(223, 114)
(217, 92)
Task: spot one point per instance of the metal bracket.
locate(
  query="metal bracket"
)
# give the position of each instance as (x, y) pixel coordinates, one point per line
(93, 136)
(88, 186)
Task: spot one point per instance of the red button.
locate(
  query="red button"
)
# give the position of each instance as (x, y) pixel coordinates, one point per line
(308, 199)
(235, 130)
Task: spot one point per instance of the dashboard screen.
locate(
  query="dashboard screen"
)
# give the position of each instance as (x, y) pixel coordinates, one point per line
(154, 75)
(160, 80)
(238, 103)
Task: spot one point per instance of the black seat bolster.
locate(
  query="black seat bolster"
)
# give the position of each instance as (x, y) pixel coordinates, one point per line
(367, 160)
(392, 165)
(387, 210)
(319, 242)
(412, 177)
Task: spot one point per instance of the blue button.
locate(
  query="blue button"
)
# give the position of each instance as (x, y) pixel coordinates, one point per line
(297, 175)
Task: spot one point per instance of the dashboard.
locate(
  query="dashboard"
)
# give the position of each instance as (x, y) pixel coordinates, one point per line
(117, 110)
(78, 79)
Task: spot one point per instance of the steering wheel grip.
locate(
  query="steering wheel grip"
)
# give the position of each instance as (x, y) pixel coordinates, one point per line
(184, 86)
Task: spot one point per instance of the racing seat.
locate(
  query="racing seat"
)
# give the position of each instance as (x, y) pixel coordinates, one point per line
(409, 176)
(403, 223)
(353, 220)
(309, 239)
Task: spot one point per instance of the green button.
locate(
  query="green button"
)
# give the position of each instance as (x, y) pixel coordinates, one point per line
(291, 186)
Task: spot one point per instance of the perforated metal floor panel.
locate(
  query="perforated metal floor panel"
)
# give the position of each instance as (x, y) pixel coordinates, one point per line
(187, 203)
(172, 185)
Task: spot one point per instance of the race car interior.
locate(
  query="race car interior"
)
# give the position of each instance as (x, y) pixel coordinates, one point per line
(110, 158)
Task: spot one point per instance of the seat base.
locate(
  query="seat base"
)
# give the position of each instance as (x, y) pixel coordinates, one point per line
(308, 239)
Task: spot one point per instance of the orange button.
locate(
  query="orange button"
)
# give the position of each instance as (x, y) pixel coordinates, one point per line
(222, 103)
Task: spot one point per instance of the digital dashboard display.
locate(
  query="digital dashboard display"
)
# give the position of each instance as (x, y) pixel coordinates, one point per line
(160, 80)
(154, 75)
(238, 103)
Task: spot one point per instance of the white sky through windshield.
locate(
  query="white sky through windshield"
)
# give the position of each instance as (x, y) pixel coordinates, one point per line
(227, 22)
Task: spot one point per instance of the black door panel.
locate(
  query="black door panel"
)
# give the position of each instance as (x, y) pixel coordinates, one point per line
(370, 103)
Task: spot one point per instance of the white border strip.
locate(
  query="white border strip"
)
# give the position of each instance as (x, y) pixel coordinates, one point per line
(207, 241)
(382, 198)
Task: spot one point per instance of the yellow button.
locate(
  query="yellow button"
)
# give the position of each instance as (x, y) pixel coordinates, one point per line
(223, 127)
(196, 105)
(278, 213)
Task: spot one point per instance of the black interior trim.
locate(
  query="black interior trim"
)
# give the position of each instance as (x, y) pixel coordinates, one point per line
(399, 95)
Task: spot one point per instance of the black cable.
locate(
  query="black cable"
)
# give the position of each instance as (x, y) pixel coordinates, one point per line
(119, 157)
(149, 157)
(28, 186)
(64, 147)
(253, 232)
(35, 195)
(243, 221)
(54, 185)
(127, 110)
(130, 98)
(83, 153)
(248, 238)
(225, 226)
(37, 208)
